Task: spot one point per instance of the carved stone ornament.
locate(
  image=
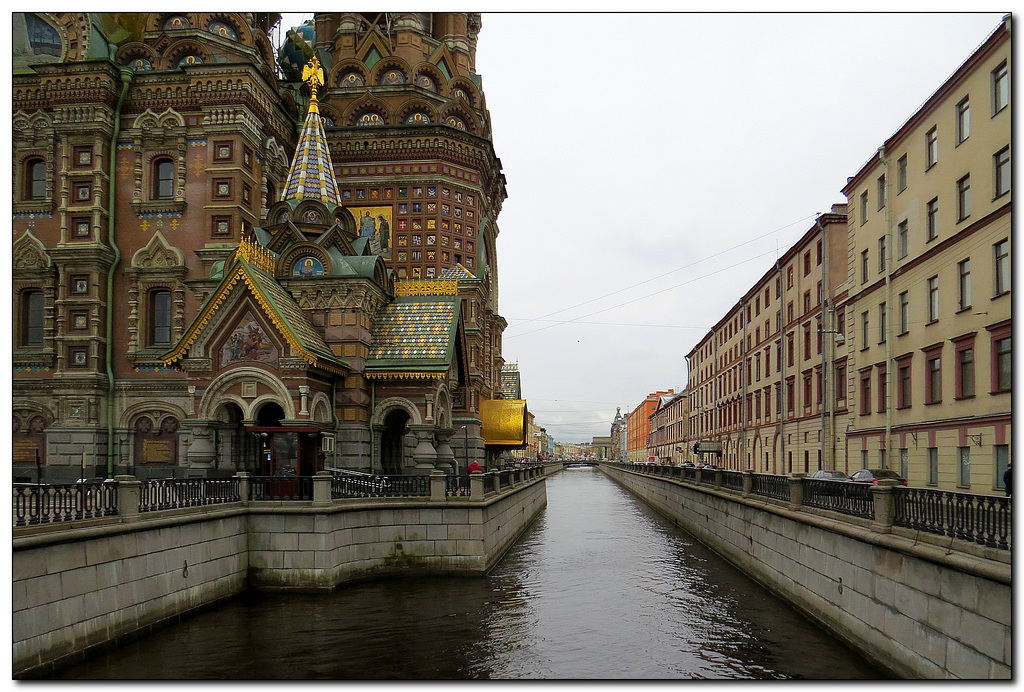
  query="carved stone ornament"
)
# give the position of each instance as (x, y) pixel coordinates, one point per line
(29, 253)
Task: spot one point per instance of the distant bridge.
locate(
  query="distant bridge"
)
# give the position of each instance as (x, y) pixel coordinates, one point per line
(585, 462)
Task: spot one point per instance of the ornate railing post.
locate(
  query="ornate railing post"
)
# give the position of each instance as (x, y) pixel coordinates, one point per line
(243, 486)
(884, 499)
(748, 481)
(796, 490)
(322, 488)
(438, 485)
(476, 485)
(129, 492)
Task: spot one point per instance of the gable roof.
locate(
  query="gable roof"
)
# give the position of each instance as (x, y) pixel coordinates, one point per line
(415, 337)
(250, 268)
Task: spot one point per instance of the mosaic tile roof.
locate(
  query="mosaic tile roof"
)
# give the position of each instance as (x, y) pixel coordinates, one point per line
(311, 175)
(456, 272)
(415, 333)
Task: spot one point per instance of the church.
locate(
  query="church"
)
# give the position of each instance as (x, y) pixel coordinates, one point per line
(230, 258)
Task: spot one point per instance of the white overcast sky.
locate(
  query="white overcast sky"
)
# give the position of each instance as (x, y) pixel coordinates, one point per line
(656, 164)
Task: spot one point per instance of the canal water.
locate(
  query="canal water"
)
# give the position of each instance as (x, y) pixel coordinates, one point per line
(600, 587)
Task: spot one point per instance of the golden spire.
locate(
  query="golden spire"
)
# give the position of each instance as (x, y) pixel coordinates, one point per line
(313, 75)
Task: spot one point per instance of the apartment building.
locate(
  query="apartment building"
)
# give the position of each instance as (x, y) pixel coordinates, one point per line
(927, 296)
(639, 428)
(668, 429)
(757, 379)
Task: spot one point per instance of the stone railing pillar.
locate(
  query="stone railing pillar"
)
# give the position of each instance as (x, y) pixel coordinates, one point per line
(883, 496)
(322, 488)
(129, 492)
(476, 485)
(796, 490)
(438, 483)
(243, 486)
(425, 454)
(718, 478)
(748, 482)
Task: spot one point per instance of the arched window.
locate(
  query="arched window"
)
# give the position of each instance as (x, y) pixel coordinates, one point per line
(160, 318)
(32, 319)
(35, 179)
(163, 179)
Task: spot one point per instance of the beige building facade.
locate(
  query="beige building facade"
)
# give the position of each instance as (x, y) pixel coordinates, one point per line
(669, 429)
(928, 305)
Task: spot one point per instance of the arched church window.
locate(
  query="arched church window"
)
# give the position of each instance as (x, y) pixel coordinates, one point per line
(160, 311)
(351, 79)
(392, 77)
(223, 29)
(369, 120)
(35, 177)
(426, 82)
(32, 319)
(418, 118)
(177, 21)
(307, 266)
(163, 179)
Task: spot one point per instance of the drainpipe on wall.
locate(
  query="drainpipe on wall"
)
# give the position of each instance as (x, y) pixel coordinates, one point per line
(826, 347)
(126, 80)
(888, 303)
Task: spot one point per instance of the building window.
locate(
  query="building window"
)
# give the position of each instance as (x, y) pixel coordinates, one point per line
(163, 179)
(904, 462)
(865, 392)
(1002, 458)
(1001, 357)
(963, 197)
(864, 266)
(904, 312)
(864, 460)
(933, 466)
(883, 390)
(881, 191)
(1001, 256)
(903, 238)
(964, 458)
(881, 323)
(965, 371)
(160, 318)
(865, 325)
(963, 120)
(1001, 161)
(881, 254)
(1000, 88)
(901, 174)
(933, 378)
(789, 277)
(807, 341)
(933, 219)
(933, 299)
(35, 177)
(964, 284)
(841, 383)
(931, 147)
(904, 391)
(32, 319)
(863, 207)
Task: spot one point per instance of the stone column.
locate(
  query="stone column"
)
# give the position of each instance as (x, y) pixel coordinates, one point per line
(883, 496)
(796, 490)
(438, 489)
(476, 485)
(322, 488)
(201, 453)
(129, 491)
(445, 455)
(424, 454)
(748, 482)
(243, 486)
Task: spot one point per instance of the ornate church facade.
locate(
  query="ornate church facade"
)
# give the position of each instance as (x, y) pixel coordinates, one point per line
(227, 258)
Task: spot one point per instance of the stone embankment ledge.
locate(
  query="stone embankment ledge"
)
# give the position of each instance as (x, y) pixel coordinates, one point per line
(917, 608)
(80, 590)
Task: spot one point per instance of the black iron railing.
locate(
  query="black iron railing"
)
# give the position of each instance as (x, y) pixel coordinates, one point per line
(457, 486)
(768, 485)
(45, 504)
(854, 499)
(175, 493)
(732, 480)
(280, 488)
(983, 519)
(489, 483)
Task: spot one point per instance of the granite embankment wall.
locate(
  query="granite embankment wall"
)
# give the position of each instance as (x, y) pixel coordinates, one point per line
(920, 610)
(81, 588)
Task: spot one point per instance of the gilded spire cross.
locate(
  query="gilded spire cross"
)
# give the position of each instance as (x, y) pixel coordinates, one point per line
(313, 75)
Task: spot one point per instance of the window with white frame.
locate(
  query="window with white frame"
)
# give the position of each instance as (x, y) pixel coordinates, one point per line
(963, 120)
(1001, 163)
(1000, 88)
(904, 312)
(931, 147)
(903, 238)
(933, 219)
(964, 284)
(933, 298)
(1001, 274)
(901, 174)
(963, 197)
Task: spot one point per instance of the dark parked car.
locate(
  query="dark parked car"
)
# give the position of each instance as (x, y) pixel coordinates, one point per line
(875, 475)
(829, 475)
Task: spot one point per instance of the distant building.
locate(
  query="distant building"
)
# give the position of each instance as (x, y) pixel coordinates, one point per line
(638, 431)
(670, 429)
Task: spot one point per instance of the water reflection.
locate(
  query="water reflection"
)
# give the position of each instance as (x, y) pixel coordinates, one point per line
(599, 588)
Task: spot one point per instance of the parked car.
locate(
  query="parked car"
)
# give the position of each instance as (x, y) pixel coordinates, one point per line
(688, 465)
(829, 475)
(875, 475)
